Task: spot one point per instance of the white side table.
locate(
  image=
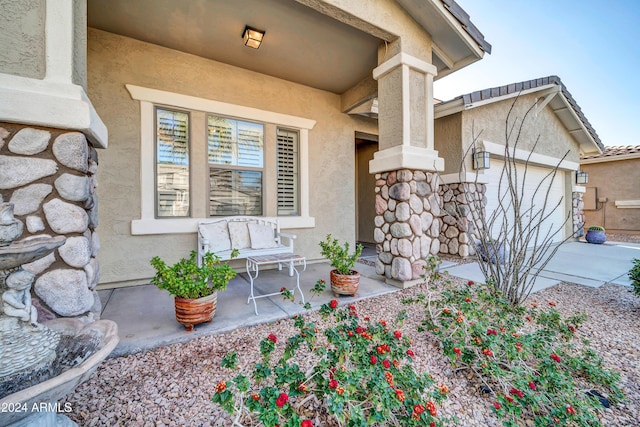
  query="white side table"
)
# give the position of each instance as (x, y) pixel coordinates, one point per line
(289, 260)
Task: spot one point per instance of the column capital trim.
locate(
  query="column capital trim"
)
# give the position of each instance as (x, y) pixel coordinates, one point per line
(406, 157)
(405, 59)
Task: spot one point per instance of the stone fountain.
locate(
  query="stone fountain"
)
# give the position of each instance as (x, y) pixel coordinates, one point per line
(39, 363)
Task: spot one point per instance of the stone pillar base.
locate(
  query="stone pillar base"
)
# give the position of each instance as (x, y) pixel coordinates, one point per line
(404, 284)
(406, 226)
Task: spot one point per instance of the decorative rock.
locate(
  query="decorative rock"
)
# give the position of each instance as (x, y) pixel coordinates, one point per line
(385, 228)
(381, 205)
(392, 205)
(426, 219)
(416, 249)
(391, 178)
(29, 141)
(76, 251)
(74, 188)
(378, 235)
(378, 220)
(423, 188)
(71, 150)
(38, 266)
(463, 251)
(401, 269)
(64, 218)
(449, 220)
(403, 211)
(389, 216)
(379, 267)
(444, 248)
(385, 257)
(433, 203)
(93, 213)
(404, 175)
(384, 192)
(416, 225)
(416, 204)
(386, 246)
(405, 248)
(463, 238)
(400, 191)
(18, 171)
(400, 229)
(65, 291)
(28, 199)
(452, 232)
(96, 308)
(394, 247)
(34, 224)
(425, 246)
(95, 244)
(435, 229)
(417, 269)
(435, 246)
(453, 246)
(3, 135)
(419, 176)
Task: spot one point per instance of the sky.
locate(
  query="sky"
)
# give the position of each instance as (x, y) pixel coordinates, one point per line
(593, 46)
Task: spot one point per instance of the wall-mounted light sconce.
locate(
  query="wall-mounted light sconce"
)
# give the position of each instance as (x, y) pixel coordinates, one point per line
(481, 159)
(582, 177)
(252, 37)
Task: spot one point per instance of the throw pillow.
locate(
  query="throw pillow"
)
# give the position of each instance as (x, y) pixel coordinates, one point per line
(217, 234)
(239, 235)
(261, 236)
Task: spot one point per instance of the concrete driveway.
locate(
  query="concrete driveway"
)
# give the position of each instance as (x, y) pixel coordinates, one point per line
(575, 262)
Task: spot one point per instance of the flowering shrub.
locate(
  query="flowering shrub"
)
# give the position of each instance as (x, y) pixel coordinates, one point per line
(362, 375)
(526, 357)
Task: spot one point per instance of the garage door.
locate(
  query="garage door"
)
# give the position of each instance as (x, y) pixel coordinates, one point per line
(534, 176)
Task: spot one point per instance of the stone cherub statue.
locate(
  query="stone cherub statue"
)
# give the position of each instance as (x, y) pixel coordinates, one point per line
(16, 300)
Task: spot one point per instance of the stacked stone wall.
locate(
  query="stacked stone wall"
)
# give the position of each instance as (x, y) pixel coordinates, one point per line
(460, 202)
(406, 223)
(578, 214)
(50, 177)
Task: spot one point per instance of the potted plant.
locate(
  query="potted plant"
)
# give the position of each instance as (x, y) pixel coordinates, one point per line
(596, 234)
(344, 279)
(194, 287)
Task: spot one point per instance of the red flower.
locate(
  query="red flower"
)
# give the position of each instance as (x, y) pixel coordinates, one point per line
(340, 390)
(532, 385)
(491, 332)
(396, 363)
(333, 384)
(333, 303)
(383, 322)
(516, 392)
(302, 387)
(552, 304)
(572, 328)
(282, 400)
(457, 351)
(351, 333)
(306, 423)
(373, 360)
(509, 398)
(255, 397)
(389, 377)
(467, 299)
(282, 289)
(528, 318)
(459, 319)
(386, 363)
(360, 329)
(272, 338)
(570, 410)
(487, 352)
(431, 407)
(221, 387)
(397, 334)
(470, 283)
(555, 357)
(418, 409)
(400, 395)
(410, 353)
(496, 405)
(444, 389)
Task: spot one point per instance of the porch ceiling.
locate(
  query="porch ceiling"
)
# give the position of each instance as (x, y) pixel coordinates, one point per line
(300, 44)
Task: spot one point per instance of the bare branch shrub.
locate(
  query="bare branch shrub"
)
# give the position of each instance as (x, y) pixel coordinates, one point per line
(513, 243)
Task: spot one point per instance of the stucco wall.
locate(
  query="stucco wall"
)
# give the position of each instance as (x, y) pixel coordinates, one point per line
(614, 180)
(490, 119)
(22, 38)
(114, 61)
(447, 133)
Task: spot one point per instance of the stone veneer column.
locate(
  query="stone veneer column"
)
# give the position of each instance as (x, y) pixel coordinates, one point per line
(407, 198)
(461, 203)
(577, 210)
(407, 227)
(50, 177)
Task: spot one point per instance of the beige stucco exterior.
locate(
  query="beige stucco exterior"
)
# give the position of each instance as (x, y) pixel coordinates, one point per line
(114, 61)
(23, 33)
(613, 179)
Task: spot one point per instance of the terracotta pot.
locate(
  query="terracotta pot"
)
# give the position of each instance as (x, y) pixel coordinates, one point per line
(193, 311)
(344, 284)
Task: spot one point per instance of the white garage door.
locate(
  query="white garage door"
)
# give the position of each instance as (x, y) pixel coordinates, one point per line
(535, 175)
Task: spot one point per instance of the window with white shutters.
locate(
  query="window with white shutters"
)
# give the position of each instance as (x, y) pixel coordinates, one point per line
(287, 165)
(236, 161)
(172, 163)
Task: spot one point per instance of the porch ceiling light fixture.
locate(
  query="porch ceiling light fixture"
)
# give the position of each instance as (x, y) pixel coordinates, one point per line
(481, 159)
(582, 177)
(252, 37)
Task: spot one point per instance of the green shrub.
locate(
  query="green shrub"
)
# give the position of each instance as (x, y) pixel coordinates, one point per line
(596, 228)
(634, 275)
(338, 255)
(526, 357)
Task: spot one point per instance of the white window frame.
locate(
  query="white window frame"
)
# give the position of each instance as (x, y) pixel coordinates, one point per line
(149, 98)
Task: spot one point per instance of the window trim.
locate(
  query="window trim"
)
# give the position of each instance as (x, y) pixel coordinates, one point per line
(149, 99)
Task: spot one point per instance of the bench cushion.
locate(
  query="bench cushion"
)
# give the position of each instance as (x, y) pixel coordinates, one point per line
(217, 234)
(261, 236)
(239, 233)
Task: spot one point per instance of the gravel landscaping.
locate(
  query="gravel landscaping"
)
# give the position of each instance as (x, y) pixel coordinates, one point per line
(173, 385)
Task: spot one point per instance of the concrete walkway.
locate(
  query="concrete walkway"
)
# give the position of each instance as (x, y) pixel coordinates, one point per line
(146, 318)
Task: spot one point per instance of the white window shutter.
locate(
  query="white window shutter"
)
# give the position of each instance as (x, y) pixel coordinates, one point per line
(288, 165)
